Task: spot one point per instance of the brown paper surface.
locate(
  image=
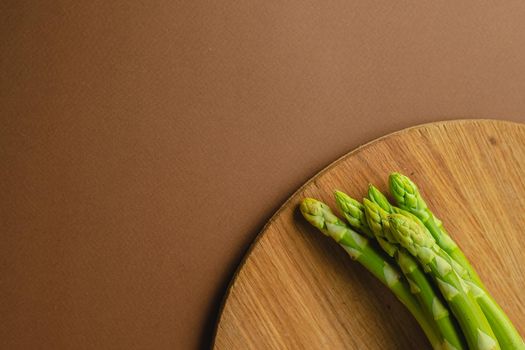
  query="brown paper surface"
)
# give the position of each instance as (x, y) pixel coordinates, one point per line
(143, 144)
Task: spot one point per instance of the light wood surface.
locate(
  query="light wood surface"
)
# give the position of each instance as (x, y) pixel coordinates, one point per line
(297, 289)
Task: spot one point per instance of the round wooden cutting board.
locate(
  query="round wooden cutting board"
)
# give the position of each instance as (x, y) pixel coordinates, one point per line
(296, 289)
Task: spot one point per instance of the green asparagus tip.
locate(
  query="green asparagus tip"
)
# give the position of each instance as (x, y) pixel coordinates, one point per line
(409, 233)
(376, 218)
(316, 213)
(321, 216)
(312, 212)
(405, 192)
(399, 184)
(340, 196)
(369, 205)
(373, 216)
(379, 198)
(347, 203)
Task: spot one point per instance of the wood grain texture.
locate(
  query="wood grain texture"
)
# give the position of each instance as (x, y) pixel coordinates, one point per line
(297, 289)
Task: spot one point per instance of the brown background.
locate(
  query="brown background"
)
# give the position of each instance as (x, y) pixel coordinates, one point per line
(144, 144)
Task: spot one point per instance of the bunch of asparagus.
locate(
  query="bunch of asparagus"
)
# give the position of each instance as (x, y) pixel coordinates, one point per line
(407, 248)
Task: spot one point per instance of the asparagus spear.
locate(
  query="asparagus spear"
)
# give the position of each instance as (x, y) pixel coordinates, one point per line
(407, 193)
(357, 246)
(408, 197)
(430, 300)
(420, 243)
(375, 221)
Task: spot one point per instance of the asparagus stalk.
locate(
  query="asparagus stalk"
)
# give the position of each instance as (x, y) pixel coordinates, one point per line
(507, 335)
(420, 243)
(357, 246)
(429, 299)
(408, 196)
